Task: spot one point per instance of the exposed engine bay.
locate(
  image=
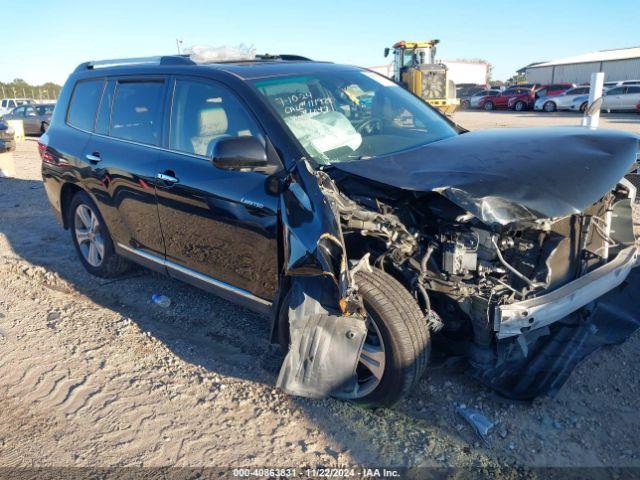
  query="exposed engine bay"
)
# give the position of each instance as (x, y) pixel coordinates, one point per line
(460, 270)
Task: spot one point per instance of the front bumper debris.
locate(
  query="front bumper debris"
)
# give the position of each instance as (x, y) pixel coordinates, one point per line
(518, 318)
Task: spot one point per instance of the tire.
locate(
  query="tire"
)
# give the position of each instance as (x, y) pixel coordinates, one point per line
(466, 105)
(519, 106)
(395, 319)
(43, 127)
(488, 106)
(104, 262)
(549, 106)
(583, 107)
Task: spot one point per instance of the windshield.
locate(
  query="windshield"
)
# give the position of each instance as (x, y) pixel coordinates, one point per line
(354, 115)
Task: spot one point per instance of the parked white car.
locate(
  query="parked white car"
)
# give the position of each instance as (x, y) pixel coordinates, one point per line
(622, 98)
(625, 97)
(8, 104)
(559, 102)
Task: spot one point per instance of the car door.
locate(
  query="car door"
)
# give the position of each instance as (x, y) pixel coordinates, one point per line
(220, 226)
(613, 99)
(122, 156)
(31, 120)
(631, 97)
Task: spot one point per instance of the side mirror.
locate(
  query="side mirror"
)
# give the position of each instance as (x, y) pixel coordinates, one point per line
(386, 52)
(239, 153)
(594, 107)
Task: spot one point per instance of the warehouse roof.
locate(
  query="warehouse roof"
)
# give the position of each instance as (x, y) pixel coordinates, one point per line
(600, 56)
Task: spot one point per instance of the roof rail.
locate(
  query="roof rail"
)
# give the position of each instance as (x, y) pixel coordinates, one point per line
(117, 62)
(284, 56)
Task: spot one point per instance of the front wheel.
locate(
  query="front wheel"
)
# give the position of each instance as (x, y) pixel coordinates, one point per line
(549, 107)
(396, 349)
(488, 106)
(520, 106)
(583, 107)
(466, 105)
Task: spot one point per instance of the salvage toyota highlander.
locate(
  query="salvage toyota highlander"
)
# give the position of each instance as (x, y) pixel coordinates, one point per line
(361, 220)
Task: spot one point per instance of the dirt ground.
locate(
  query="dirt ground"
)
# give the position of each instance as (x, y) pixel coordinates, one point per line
(93, 374)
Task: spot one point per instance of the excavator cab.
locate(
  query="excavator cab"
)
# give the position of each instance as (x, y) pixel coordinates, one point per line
(415, 67)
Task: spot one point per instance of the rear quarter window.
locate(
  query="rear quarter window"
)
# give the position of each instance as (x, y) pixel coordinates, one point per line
(84, 103)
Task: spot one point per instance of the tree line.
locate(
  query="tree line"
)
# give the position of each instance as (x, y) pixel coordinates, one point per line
(18, 88)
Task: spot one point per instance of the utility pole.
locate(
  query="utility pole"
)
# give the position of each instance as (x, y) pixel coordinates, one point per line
(178, 44)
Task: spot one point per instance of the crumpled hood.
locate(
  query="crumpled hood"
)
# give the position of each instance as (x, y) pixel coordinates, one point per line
(505, 176)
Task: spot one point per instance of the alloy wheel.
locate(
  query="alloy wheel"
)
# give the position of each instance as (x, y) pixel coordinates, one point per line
(371, 364)
(89, 235)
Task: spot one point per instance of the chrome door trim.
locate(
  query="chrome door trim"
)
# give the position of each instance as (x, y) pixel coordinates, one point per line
(198, 279)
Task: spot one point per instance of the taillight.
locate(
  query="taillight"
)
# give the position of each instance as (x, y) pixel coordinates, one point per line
(44, 155)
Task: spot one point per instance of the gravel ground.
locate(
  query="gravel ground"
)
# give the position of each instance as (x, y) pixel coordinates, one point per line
(93, 374)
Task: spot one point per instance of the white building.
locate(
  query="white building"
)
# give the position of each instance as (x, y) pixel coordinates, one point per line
(620, 64)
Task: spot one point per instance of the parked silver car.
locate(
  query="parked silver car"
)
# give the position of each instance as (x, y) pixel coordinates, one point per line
(622, 98)
(35, 118)
(559, 102)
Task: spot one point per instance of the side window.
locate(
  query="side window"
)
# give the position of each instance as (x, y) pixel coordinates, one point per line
(616, 91)
(633, 89)
(136, 111)
(205, 112)
(30, 112)
(4, 103)
(83, 105)
(18, 112)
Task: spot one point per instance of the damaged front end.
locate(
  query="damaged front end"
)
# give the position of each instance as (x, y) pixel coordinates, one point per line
(522, 271)
(514, 266)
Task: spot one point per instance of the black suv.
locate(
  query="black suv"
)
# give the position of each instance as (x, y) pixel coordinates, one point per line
(356, 216)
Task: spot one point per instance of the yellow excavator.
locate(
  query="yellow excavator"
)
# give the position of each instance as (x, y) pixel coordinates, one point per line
(415, 67)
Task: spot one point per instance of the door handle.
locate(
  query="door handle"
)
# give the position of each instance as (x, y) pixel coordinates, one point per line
(166, 178)
(93, 157)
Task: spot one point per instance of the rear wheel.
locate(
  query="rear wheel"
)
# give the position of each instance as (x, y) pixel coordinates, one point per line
(583, 107)
(43, 127)
(92, 240)
(396, 349)
(466, 105)
(549, 107)
(488, 106)
(520, 106)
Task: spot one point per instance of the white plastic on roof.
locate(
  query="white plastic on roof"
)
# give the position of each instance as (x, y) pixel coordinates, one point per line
(600, 56)
(224, 53)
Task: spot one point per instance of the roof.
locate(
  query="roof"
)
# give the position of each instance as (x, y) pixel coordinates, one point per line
(599, 56)
(246, 70)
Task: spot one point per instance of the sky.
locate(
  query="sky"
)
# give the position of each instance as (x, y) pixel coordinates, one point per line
(49, 38)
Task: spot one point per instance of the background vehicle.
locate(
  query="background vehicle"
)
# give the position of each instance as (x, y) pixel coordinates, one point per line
(562, 101)
(7, 140)
(415, 67)
(473, 101)
(8, 104)
(35, 117)
(621, 98)
(501, 100)
(617, 98)
(526, 100)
